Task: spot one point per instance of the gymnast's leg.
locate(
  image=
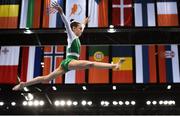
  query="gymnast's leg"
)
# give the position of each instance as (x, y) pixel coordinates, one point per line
(83, 64)
(40, 79)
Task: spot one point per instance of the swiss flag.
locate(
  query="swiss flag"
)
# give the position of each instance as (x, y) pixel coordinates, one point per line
(9, 59)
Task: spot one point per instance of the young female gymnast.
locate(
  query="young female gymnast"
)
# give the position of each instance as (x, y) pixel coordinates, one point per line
(74, 31)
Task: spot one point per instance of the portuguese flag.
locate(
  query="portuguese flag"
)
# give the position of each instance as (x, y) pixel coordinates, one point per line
(9, 11)
(98, 54)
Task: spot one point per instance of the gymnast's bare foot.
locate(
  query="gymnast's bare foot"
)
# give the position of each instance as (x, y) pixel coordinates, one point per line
(118, 65)
(20, 86)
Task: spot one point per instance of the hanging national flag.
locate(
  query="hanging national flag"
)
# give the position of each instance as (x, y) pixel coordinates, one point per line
(53, 55)
(167, 13)
(9, 60)
(9, 11)
(98, 13)
(30, 14)
(168, 58)
(144, 11)
(145, 64)
(51, 18)
(77, 76)
(125, 72)
(30, 63)
(98, 54)
(122, 12)
(76, 9)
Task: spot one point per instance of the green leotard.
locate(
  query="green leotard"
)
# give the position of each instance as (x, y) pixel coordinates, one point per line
(73, 48)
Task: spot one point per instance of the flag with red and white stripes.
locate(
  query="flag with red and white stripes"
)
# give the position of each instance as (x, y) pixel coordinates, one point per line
(167, 13)
(30, 63)
(9, 60)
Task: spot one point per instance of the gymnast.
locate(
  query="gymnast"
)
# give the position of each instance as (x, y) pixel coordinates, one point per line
(74, 31)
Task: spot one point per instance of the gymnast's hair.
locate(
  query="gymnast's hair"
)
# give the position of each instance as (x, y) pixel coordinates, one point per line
(74, 23)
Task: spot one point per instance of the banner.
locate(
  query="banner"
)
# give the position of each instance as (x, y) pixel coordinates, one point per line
(30, 14)
(9, 11)
(168, 58)
(144, 11)
(76, 9)
(51, 18)
(30, 63)
(98, 54)
(9, 60)
(98, 13)
(146, 69)
(125, 72)
(53, 55)
(167, 13)
(122, 12)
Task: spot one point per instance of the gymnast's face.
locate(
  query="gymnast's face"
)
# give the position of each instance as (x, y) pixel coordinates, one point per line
(78, 30)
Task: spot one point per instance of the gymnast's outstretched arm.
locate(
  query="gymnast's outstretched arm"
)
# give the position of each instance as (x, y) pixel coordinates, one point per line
(56, 6)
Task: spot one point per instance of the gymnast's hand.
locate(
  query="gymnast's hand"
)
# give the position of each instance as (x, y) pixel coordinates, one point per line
(85, 21)
(56, 6)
